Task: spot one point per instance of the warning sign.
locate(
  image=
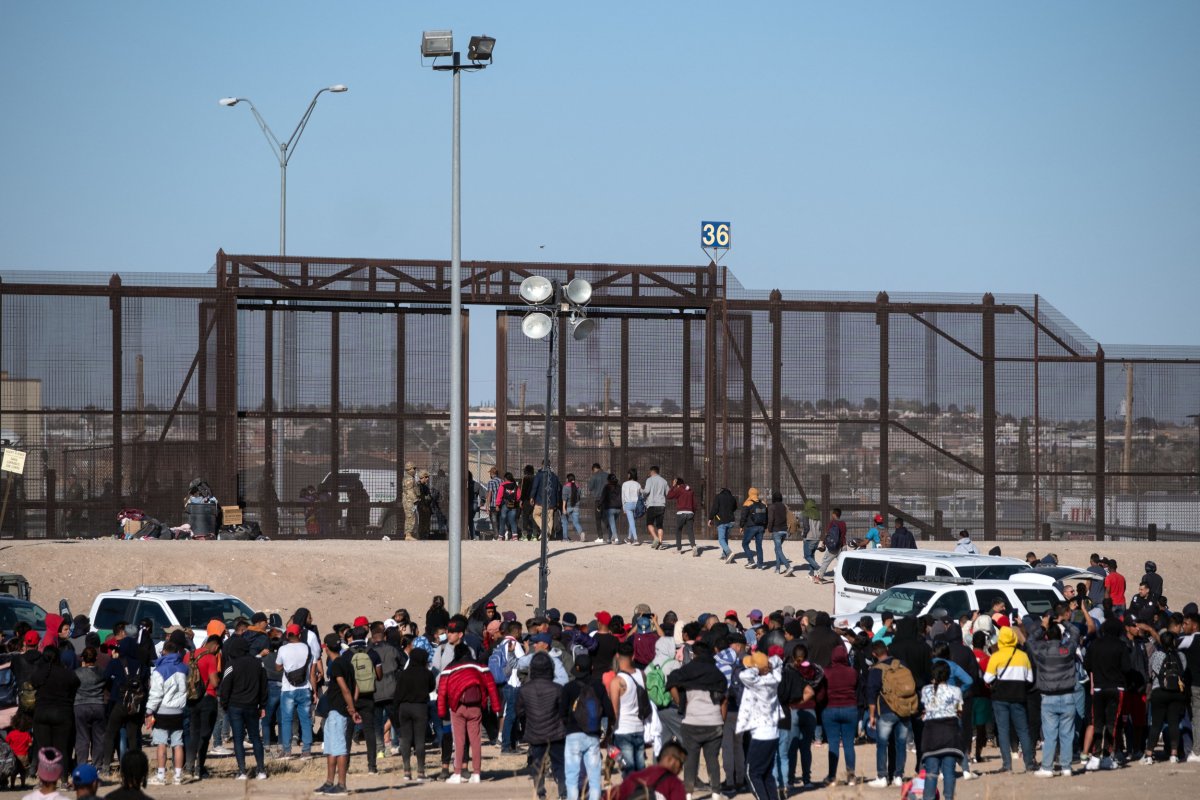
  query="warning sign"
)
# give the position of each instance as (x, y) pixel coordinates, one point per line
(14, 461)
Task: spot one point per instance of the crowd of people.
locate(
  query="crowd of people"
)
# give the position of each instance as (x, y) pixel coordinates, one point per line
(1095, 681)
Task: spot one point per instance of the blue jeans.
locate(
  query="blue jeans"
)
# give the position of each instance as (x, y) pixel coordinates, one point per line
(944, 765)
(723, 536)
(273, 690)
(633, 751)
(242, 721)
(783, 753)
(300, 703)
(754, 532)
(629, 509)
(510, 716)
(840, 724)
(571, 515)
(1058, 724)
(810, 556)
(613, 514)
(508, 522)
(888, 724)
(585, 750)
(1008, 716)
(781, 561)
(804, 729)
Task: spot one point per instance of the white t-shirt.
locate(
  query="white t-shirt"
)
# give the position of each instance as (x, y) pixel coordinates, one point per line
(37, 795)
(292, 656)
(628, 721)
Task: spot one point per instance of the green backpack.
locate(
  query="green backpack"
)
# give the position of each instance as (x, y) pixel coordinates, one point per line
(364, 671)
(656, 686)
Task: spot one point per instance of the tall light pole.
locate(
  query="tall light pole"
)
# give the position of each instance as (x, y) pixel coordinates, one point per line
(283, 150)
(437, 44)
(552, 300)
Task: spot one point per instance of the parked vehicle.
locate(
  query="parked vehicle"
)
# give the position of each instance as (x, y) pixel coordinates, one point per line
(14, 610)
(15, 585)
(862, 575)
(189, 605)
(1024, 594)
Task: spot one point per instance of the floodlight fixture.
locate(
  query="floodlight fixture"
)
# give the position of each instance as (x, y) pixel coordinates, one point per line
(480, 48)
(536, 290)
(579, 292)
(437, 43)
(229, 101)
(581, 327)
(537, 325)
(339, 88)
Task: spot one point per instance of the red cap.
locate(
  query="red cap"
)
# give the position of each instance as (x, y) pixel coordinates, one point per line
(730, 613)
(292, 630)
(603, 617)
(31, 638)
(878, 518)
(775, 650)
(490, 604)
(361, 622)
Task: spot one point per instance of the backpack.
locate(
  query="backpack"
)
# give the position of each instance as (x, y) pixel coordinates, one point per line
(364, 670)
(498, 663)
(899, 688)
(833, 538)
(587, 709)
(573, 496)
(26, 697)
(195, 686)
(757, 515)
(656, 686)
(471, 696)
(508, 495)
(133, 695)
(8, 761)
(644, 706)
(1170, 674)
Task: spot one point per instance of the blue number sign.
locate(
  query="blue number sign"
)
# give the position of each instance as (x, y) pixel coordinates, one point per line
(715, 234)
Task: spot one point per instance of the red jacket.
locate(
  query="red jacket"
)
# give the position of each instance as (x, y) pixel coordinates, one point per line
(684, 497)
(456, 678)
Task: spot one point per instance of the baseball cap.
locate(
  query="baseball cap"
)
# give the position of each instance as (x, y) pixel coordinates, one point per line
(540, 638)
(603, 617)
(361, 622)
(775, 651)
(569, 620)
(640, 609)
(457, 624)
(509, 616)
(789, 611)
(215, 627)
(258, 617)
(730, 613)
(703, 618)
(292, 630)
(755, 614)
(552, 614)
(31, 638)
(84, 775)
(333, 642)
(390, 623)
(490, 604)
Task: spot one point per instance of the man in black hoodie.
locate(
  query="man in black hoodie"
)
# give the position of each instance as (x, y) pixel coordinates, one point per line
(914, 653)
(699, 689)
(243, 695)
(1108, 662)
(964, 657)
(721, 515)
(542, 704)
(822, 640)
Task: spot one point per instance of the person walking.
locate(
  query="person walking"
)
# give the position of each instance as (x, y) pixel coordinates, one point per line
(572, 494)
(631, 495)
(508, 503)
(595, 485)
(754, 522)
(655, 492)
(941, 740)
(489, 500)
(465, 689)
(812, 536)
(902, 537)
(777, 525)
(547, 502)
(542, 705)
(528, 501)
(721, 516)
(609, 502)
(835, 540)
(685, 514)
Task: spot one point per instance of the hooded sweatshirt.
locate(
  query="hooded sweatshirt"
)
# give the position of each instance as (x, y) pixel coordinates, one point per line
(244, 683)
(966, 546)
(126, 665)
(912, 650)
(754, 510)
(822, 641)
(841, 679)
(1009, 673)
(759, 711)
(542, 703)
(723, 508)
(415, 682)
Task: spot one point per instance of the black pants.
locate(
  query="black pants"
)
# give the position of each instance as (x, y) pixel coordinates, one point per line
(366, 709)
(414, 717)
(1166, 707)
(90, 723)
(54, 726)
(118, 720)
(683, 521)
(202, 719)
(1033, 710)
(537, 766)
(1106, 711)
(697, 739)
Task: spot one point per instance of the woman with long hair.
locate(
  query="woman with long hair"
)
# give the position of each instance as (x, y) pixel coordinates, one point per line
(437, 616)
(941, 741)
(1168, 696)
(54, 714)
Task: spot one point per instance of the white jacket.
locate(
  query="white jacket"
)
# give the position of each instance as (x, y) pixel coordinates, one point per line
(167, 696)
(760, 699)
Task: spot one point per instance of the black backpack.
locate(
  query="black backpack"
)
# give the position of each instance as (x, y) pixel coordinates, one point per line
(1171, 674)
(757, 515)
(643, 699)
(508, 495)
(133, 695)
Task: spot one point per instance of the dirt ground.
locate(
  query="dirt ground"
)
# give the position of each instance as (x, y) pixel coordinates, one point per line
(340, 579)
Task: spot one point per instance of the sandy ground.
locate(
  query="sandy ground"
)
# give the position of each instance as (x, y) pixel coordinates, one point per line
(339, 580)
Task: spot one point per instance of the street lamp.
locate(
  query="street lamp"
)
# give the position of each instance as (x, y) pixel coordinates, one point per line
(550, 300)
(436, 44)
(286, 149)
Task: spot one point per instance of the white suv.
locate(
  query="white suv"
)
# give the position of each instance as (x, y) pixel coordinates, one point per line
(1025, 594)
(191, 605)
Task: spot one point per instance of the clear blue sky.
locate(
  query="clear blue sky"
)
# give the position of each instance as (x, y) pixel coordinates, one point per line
(1010, 147)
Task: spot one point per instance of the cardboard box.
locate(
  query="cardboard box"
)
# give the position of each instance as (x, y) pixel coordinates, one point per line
(231, 515)
(132, 527)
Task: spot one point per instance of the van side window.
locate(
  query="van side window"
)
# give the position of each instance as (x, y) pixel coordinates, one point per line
(985, 598)
(850, 570)
(901, 572)
(955, 603)
(873, 573)
(152, 610)
(111, 611)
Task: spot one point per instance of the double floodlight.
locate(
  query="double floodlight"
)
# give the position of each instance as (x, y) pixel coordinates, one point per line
(572, 298)
(436, 44)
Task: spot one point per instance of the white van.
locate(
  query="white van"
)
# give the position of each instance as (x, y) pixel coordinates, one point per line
(862, 575)
(1025, 593)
